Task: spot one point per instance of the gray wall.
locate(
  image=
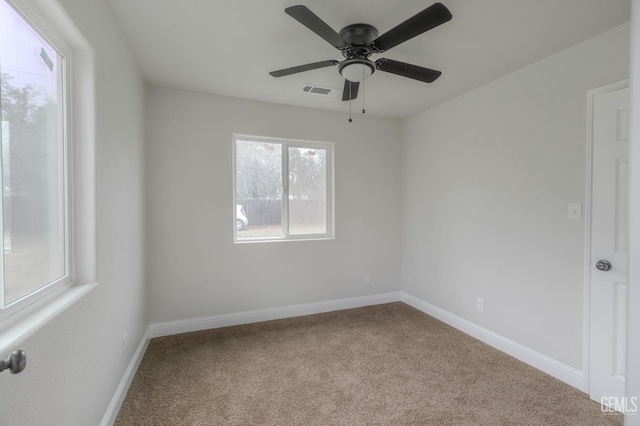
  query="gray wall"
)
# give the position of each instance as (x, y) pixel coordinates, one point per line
(75, 362)
(195, 270)
(491, 173)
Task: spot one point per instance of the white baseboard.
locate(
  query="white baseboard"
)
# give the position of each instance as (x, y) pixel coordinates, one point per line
(535, 359)
(248, 317)
(109, 417)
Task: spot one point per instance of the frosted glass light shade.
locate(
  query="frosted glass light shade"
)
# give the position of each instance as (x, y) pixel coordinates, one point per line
(356, 72)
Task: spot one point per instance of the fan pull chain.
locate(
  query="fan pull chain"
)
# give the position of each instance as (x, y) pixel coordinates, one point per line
(350, 120)
(363, 88)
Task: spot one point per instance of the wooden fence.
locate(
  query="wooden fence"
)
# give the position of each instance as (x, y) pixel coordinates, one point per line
(269, 212)
(262, 212)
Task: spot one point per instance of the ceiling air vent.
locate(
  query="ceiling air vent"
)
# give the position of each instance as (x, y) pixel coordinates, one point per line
(322, 91)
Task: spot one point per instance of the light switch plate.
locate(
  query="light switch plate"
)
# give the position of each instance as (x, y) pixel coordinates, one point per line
(574, 211)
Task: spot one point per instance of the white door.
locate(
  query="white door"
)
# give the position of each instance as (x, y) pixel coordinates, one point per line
(609, 242)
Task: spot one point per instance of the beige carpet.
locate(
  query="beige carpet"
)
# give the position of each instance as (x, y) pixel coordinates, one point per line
(380, 365)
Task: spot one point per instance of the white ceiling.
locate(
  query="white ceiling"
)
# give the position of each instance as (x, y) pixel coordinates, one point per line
(228, 47)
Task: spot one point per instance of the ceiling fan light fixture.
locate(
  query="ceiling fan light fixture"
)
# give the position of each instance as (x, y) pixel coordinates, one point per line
(357, 42)
(356, 70)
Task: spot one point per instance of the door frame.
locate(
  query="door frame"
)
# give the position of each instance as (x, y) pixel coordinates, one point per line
(591, 95)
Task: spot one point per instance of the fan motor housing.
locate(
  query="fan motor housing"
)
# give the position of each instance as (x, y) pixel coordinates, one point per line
(359, 34)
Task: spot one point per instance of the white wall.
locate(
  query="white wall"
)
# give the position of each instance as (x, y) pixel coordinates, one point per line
(75, 362)
(633, 352)
(485, 186)
(195, 270)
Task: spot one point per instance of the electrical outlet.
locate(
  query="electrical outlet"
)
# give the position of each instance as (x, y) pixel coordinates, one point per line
(367, 279)
(124, 344)
(574, 211)
(480, 305)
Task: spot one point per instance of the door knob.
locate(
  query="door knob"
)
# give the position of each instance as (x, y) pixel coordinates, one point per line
(603, 265)
(16, 362)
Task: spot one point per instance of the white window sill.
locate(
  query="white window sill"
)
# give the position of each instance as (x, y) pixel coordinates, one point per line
(13, 331)
(280, 240)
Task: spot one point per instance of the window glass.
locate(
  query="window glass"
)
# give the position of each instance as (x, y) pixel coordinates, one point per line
(307, 191)
(259, 189)
(34, 207)
(282, 189)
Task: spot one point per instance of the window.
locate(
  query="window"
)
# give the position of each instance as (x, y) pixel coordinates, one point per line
(283, 189)
(34, 207)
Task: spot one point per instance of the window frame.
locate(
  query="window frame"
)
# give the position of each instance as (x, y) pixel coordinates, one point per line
(330, 186)
(29, 313)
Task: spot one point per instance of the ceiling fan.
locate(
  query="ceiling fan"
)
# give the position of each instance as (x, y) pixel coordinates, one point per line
(359, 41)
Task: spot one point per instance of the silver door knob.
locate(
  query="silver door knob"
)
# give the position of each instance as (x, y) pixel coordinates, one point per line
(16, 362)
(603, 265)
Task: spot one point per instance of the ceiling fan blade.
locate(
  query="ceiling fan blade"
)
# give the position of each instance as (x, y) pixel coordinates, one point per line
(317, 25)
(407, 70)
(302, 68)
(431, 17)
(350, 91)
